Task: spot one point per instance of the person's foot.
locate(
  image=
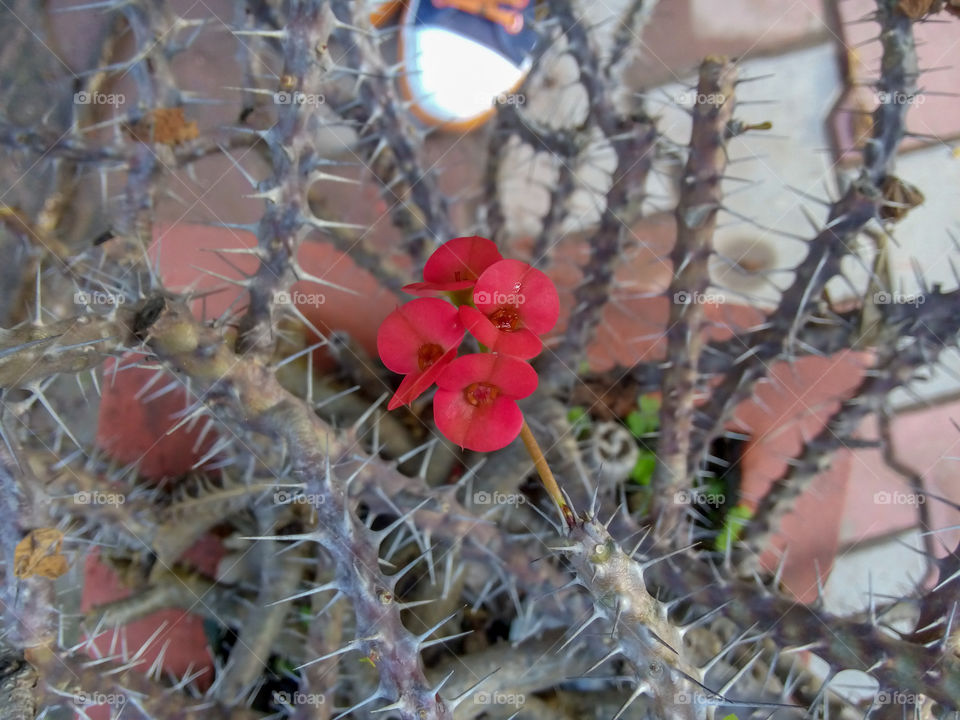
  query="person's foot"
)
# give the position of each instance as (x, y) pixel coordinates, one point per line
(460, 56)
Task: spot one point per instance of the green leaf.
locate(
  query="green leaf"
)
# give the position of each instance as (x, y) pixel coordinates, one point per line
(732, 527)
(646, 419)
(649, 405)
(639, 424)
(579, 420)
(643, 471)
(731, 716)
(284, 666)
(714, 486)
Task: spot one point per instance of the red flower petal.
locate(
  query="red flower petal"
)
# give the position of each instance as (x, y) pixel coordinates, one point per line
(520, 343)
(417, 333)
(517, 286)
(475, 404)
(483, 429)
(513, 377)
(416, 383)
(459, 261)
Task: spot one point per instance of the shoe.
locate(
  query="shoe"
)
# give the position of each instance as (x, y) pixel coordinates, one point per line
(459, 57)
(382, 12)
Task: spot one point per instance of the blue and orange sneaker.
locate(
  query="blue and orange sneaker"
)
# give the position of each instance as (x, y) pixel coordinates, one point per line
(460, 56)
(381, 12)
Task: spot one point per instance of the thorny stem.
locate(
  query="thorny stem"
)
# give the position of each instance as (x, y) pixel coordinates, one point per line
(632, 138)
(248, 393)
(247, 397)
(287, 218)
(700, 201)
(546, 474)
(846, 219)
(894, 367)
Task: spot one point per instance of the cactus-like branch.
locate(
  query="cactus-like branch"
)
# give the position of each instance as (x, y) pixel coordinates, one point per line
(250, 395)
(42, 142)
(644, 634)
(287, 218)
(419, 209)
(394, 542)
(700, 201)
(896, 364)
(72, 682)
(629, 29)
(263, 622)
(17, 681)
(628, 594)
(847, 217)
(848, 644)
(157, 89)
(30, 352)
(632, 139)
(937, 621)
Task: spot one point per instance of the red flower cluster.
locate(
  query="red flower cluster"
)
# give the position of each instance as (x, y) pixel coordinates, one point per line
(506, 305)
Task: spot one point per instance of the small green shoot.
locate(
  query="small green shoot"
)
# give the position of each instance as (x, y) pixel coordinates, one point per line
(732, 527)
(579, 420)
(643, 470)
(646, 419)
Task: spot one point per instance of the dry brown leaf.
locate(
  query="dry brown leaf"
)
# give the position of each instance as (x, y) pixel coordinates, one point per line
(916, 9)
(38, 554)
(165, 125)
(900, 197)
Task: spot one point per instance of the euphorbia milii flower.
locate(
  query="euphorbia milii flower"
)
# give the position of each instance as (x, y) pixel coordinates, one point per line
(419, 339)
(475, 404)
(515, 303)
(456, 265)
